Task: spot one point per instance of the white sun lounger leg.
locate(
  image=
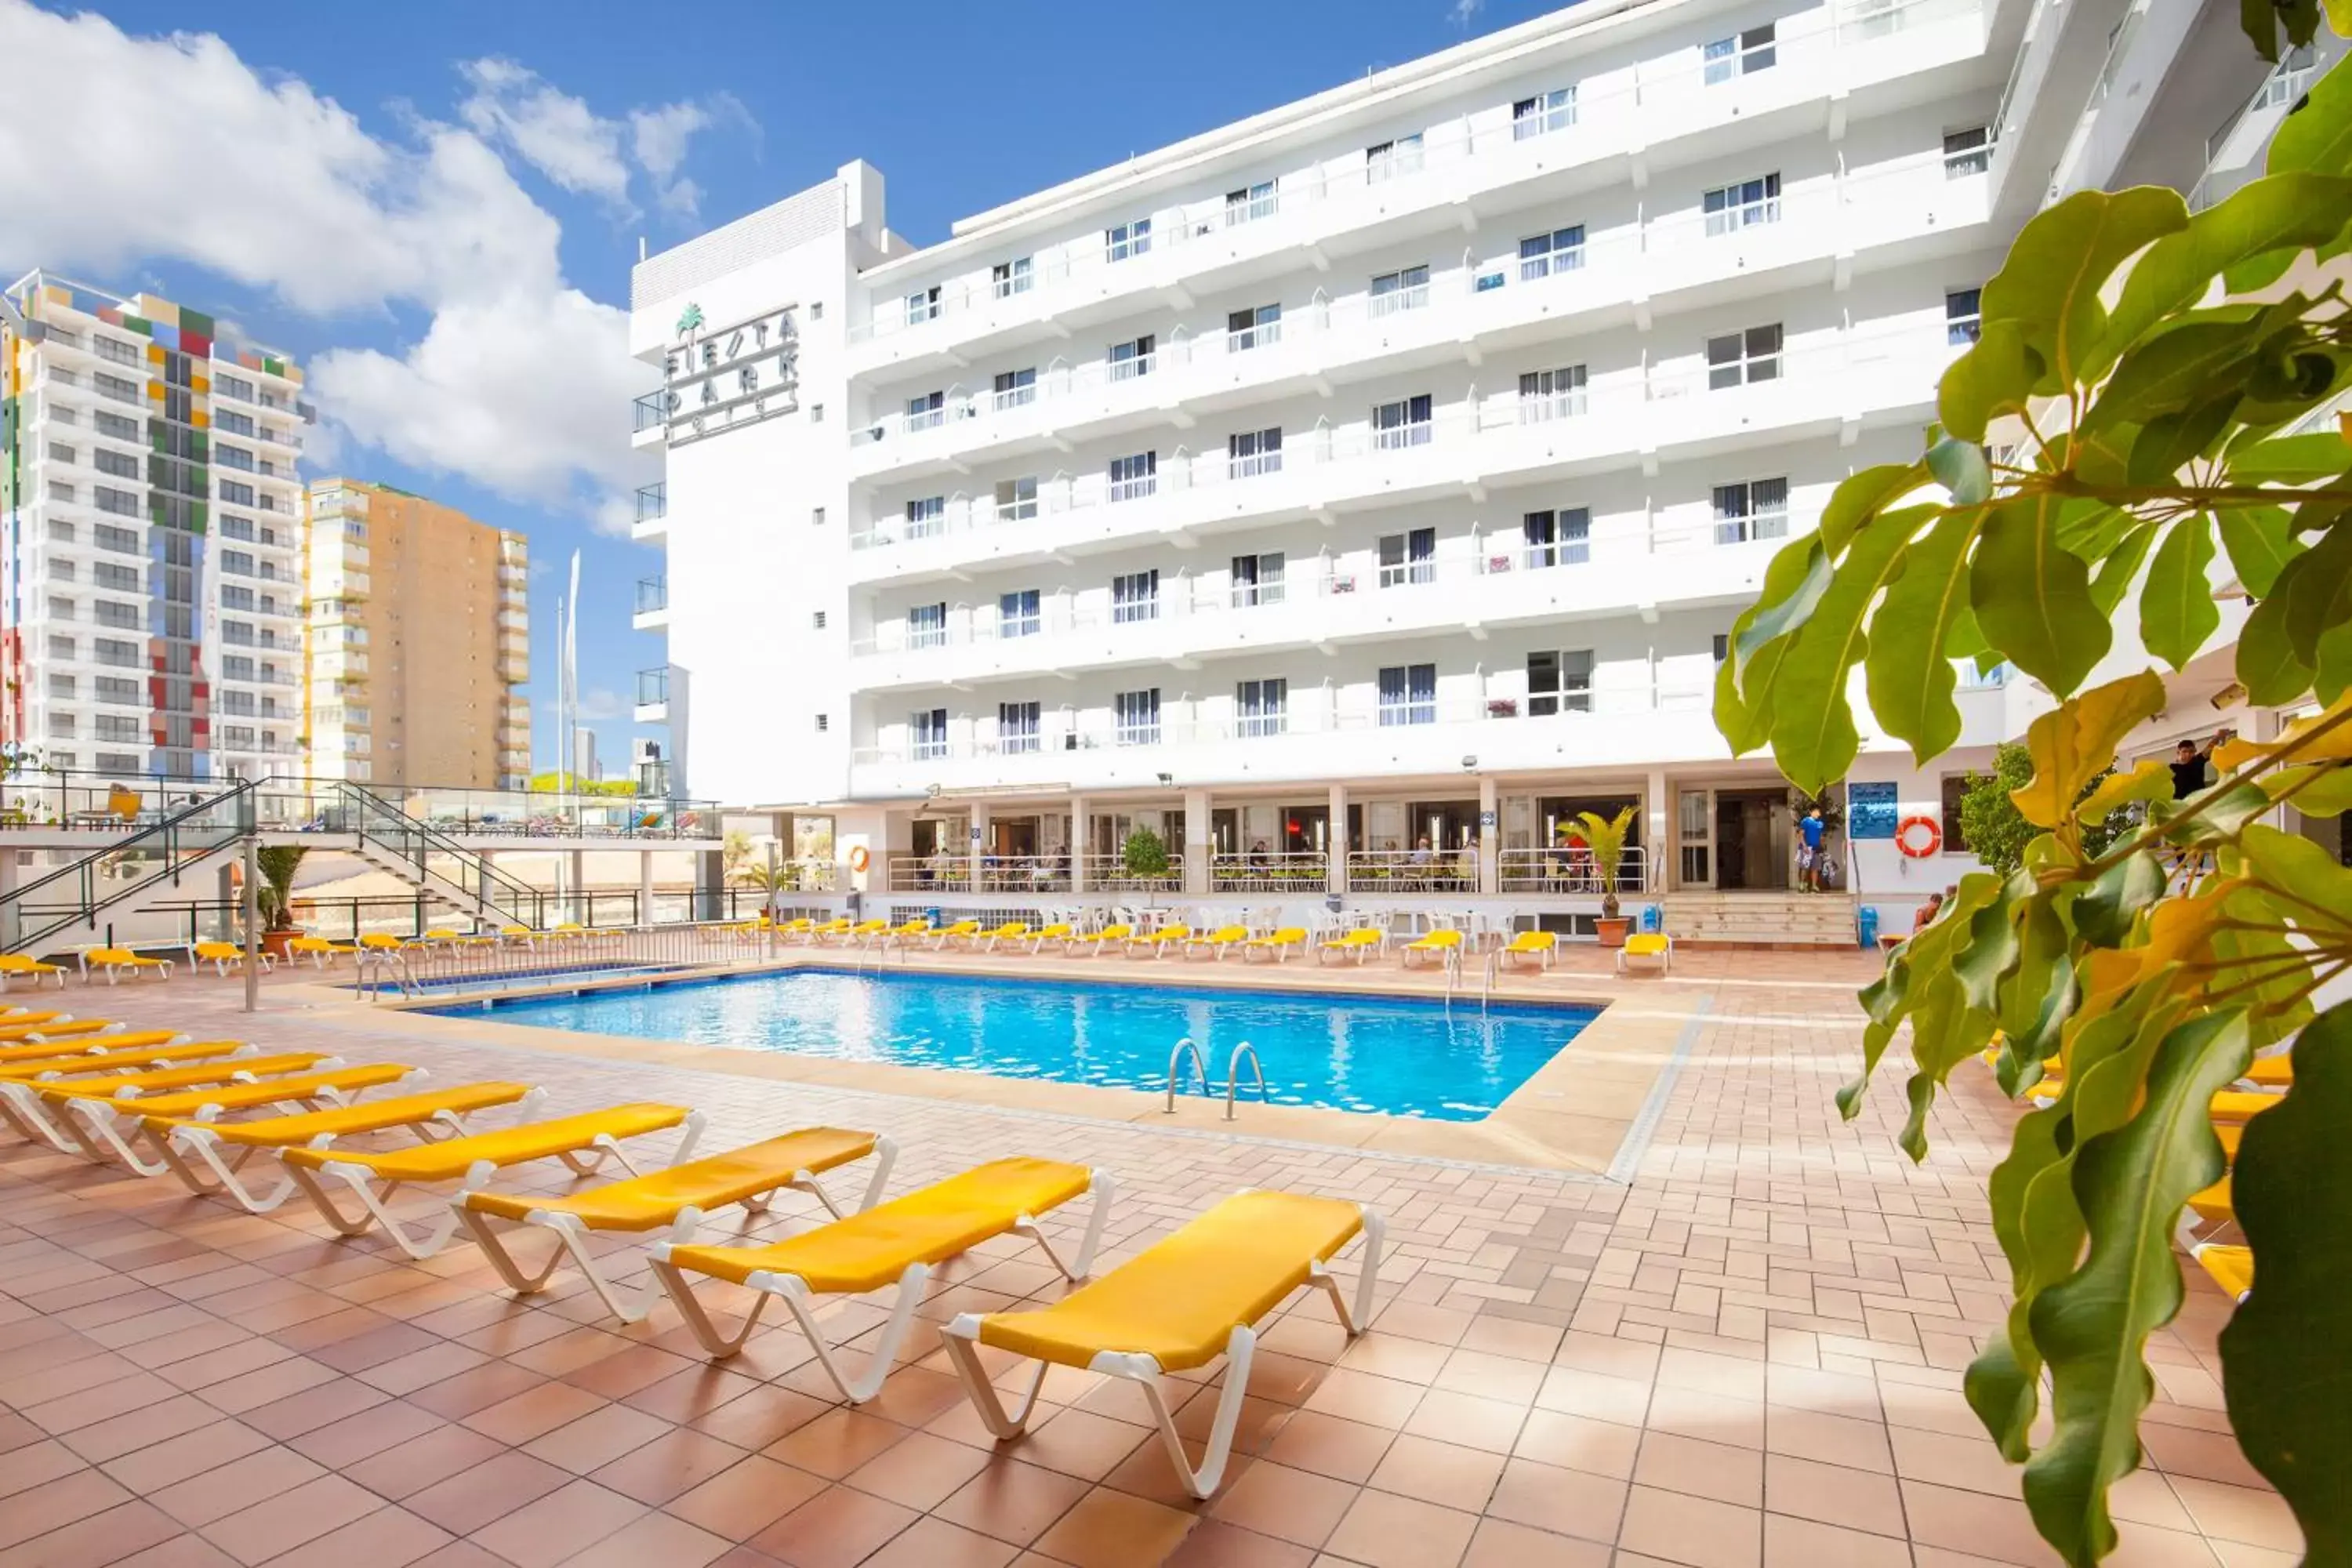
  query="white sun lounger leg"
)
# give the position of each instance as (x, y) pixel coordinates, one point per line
(1241, 1348)
(430, 1239)
(1104, 1190)
(865, 1385)
(604, 1146)
(962, 1340)
(221, 1177)
(21, 1107)
(886, 1155)
(689, 1307)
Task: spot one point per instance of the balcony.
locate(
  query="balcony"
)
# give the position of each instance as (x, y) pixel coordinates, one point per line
(2235, 153)
(1494, 303)
(1425, 183)
(652, 613)
(1832, 382)
(653, 696)
(652, 420)
(653, 512)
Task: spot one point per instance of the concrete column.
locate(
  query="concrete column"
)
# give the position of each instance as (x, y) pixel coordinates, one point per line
(579, 873)
(1658, 830)
(1490, 837)
(1337, 880)
(1080, 839)
(710, 883)
(1197, 842)
(977, 846)
(645, 886)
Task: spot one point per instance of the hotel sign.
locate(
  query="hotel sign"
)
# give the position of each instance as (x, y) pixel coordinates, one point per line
(740, 374)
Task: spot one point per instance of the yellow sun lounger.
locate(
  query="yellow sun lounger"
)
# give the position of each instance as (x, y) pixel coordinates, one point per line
(1178, 1305)
(115, 962)
(58, 1030)
(1536, 947)
(108, 1126)
(321, 952)
(1437, 943)
(119, 1053)
(32, 1017)
(1011, 931)
(1095, 942)
(865, 932)
(1156, 942)
(222, 954)
(583, 1142)
(1060, 931)
(19, 966)
(38, 1050)
(963, 931)
(1216, 941)
(818, 933)
(907, 932)
(25, 1102)
(1651, 947)
(678, 1200)
(223, 1148)
(2231, 1268)
(1278, 944)
(899, 1242)
(1361, 943)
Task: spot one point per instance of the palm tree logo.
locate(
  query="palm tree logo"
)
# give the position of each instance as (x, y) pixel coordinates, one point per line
(691, 320)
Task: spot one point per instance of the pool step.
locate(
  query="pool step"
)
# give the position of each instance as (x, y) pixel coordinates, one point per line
(1701, 919)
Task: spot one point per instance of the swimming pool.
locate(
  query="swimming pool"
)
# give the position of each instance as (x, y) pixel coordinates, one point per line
(1341, 1052)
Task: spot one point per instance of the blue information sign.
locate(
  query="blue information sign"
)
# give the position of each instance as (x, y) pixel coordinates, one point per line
(1870, 811)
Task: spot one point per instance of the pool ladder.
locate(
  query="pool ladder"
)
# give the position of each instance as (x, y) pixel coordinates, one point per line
(1186, 1048)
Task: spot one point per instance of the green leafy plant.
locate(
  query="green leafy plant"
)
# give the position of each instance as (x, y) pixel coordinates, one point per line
(1998, 833)
(274, 895)
(2169, 380)
(1605, 836)
(1143, 854)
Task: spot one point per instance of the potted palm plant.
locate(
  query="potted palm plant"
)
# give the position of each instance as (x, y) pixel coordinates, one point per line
(1144, 856)
(274, 897)
(1605, 838)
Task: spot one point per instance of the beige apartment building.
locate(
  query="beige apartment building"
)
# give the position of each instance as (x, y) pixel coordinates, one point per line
(417, 642)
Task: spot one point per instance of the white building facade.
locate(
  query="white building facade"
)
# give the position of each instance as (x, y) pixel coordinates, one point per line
(151, 538)
(1350, 495)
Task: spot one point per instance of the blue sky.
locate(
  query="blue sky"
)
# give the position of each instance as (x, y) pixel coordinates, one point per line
(436, 206)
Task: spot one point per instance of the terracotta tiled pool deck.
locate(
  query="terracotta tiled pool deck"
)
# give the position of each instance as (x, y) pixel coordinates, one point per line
(1745, 1352)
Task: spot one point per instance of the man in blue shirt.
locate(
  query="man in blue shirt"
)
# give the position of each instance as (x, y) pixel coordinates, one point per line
(1809, 855)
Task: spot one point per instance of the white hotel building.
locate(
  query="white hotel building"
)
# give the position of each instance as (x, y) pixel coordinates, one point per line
(1386, 467)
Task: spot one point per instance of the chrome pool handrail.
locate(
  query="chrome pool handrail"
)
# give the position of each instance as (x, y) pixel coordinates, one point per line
(1233, 1073)
(1183, 1048)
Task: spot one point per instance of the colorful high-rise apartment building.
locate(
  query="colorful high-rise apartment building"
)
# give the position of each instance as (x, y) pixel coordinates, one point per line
(151, 538)
(419, 642)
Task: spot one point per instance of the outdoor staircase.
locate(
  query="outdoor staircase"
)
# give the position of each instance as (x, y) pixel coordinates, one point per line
(120, 876)
(441, 869)
(1761, 919)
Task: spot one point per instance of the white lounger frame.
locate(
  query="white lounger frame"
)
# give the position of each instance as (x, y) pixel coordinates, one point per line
(962, 1338)
(799, 1299)
(22, 1107)
(373, 1192)
(107, 1127)
(223, 1162)
(571, 1235)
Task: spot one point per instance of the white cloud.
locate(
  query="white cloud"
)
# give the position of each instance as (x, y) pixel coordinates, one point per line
(519, 383)
(1462, 13)
(658, 139)
(555, 132)
(597, 703)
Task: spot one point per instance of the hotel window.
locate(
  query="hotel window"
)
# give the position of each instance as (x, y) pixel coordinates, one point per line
(1016, 499)
(62, 648)
(113, 349)
(927, 733)
(1543, 114)
(816, 620)
(1408, 558)
(1727, 58)
(63, 532)
(1545, 394)
(1251, 203)
(1736, 359)
(61, 453)
(1392, 160)
(1561, 538)
(927, 517)
(1018, 726)
(1135, 717)
(1756, 508)
(61, 570)
(1018, 616)
(235, 494)
(118, 464)
(926, 411)
(237, 560)
(922, 305)
(236, 598)
(816, 413)
(62, 686)
(1254, 452)
(116, 425)
(1963, 315)
(1559, 683)
(112, 613)
(121, 579)
(114, 689)
(1252, 329)
(235, 527)
(1956, 833)
(927, 625)
(1016, 387)
(1408, 695)
(823, 723)
(1742, 204)
(1010, 278)
(1967, 153)
(123, 503)
(1261, 708)
(1406, 288)
(1132, 358)
(1562, 250)
(1257, 580)
(1122, 240)
(1404, 423)
(60, 491)
(816, 517)
(1135, 597)
(236, 666)
(1131, 479)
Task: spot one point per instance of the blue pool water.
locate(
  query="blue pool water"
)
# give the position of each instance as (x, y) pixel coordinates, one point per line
(1338, 1052)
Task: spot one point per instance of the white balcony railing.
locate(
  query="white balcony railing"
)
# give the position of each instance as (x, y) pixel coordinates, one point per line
(1478, 293)
(1813, 55)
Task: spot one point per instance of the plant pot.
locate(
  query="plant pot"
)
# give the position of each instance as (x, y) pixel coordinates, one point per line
(1612, 928)
(274, 942)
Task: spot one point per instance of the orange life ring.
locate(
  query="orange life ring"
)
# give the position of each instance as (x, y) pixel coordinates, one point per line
(859, 859)
(1907, 840)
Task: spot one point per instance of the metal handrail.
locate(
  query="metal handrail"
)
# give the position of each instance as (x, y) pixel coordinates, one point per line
(522, 902)
(165, 838)
(1185, 1047)
(1232, 1072)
